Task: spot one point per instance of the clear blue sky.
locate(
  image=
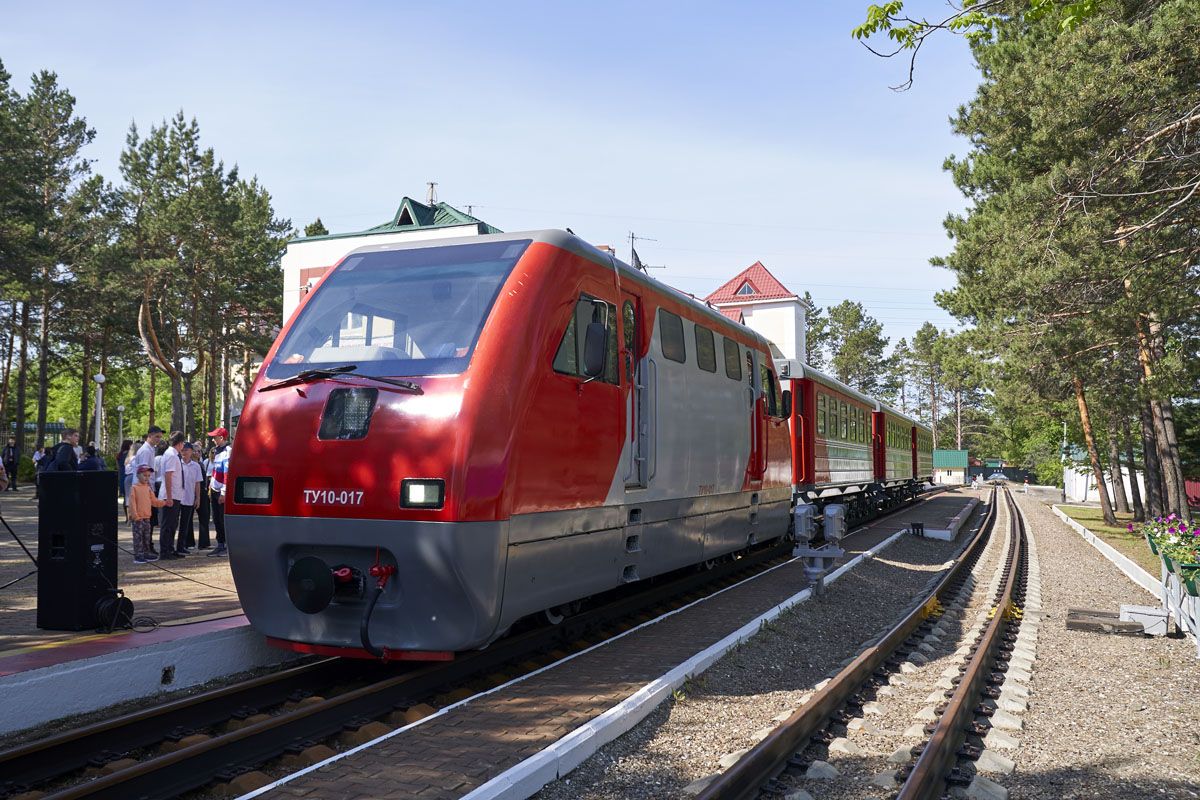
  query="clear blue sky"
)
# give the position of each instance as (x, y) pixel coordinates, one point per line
(729, 133)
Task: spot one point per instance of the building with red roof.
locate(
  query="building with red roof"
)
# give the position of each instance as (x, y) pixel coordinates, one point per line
(758, 300)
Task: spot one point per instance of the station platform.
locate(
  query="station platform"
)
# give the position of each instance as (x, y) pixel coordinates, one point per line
(190, 630)
(510, 738)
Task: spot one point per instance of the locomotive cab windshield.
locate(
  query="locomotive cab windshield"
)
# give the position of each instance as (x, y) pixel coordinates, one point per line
(402, 312)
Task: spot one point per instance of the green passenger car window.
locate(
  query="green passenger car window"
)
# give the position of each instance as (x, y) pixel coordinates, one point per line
(845, 423)
(820, 414)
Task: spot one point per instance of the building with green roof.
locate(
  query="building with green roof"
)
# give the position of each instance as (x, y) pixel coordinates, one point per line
(950, 467)
(308, 257)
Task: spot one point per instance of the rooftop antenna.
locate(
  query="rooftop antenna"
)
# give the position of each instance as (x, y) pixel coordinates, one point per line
(432, 197)
(633, 256)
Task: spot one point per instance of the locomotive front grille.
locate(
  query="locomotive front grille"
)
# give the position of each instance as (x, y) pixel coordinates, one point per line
(348, 413)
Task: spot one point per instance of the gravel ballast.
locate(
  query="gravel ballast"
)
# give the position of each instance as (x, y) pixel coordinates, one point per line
(1109, 716)
(733, 704)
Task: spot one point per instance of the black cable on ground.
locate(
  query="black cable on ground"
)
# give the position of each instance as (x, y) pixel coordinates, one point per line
(18, 580)
(13, 534)
(155, 564)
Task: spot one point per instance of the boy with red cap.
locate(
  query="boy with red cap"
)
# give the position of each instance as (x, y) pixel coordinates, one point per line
(216, 483)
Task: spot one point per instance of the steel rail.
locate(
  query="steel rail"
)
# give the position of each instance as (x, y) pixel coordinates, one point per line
(192, 767)
(927, 779)
(770, 756)
(39, 762)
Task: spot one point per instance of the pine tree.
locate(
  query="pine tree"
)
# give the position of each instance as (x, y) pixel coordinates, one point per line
(856, 344)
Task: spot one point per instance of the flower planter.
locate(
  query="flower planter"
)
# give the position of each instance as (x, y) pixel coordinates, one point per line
(1189, 576)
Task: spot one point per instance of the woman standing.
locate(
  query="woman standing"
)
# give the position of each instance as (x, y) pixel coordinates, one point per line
(126, 481)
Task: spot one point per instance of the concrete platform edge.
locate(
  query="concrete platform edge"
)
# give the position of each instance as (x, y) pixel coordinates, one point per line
(526, 778)
(1122, 562)
(38, 696)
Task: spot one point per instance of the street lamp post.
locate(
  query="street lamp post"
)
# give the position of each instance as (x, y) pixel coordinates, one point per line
(120, 423)
(99, 379)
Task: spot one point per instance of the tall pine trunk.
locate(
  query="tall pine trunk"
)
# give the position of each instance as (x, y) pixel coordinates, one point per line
(1162, 416)
(224, 417)
(189, 410)
(8, 354)
(1089, 436)
(103, 371)
(85, 387)
(214, 378)
(1154, 484)
(153, 381)
(1114, 467)
(1139, 511)
(958, 419)
(43, 397)
(177, 421)
(23, 377)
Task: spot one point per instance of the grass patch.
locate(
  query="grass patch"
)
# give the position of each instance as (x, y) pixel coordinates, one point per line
(1129, 544)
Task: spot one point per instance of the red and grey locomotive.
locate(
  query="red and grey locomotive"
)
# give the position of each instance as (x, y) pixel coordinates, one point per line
(449, 437)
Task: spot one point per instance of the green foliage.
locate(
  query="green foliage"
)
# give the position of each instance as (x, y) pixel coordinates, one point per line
(856, 344)
(816, 338)
(176, 269)
(316, 228)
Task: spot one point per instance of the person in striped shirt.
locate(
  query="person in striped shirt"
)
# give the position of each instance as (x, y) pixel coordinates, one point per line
(216, 486)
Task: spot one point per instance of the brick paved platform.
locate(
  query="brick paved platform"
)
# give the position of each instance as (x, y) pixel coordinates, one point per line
(202, 587)
(453, 753)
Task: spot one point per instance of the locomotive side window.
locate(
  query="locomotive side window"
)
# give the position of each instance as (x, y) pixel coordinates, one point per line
(570, 348)
(670, 330)
(706, 349)
(767, 379)
(820, 414)
(733, 364)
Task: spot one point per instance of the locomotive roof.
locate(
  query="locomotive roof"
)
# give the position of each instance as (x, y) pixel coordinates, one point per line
(572, 243)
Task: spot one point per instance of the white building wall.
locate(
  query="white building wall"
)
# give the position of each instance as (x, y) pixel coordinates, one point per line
(783, 322)
(1081, 486)
(949, 477)
(327, 252)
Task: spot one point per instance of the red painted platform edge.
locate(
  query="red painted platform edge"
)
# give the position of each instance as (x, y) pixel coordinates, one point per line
(51, 654)
(358, 652)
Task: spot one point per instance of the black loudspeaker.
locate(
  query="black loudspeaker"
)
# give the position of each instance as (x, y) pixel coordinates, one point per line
(77, 548)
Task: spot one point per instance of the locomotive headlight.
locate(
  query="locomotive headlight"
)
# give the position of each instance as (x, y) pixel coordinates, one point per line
(422, 493)
(254, 490)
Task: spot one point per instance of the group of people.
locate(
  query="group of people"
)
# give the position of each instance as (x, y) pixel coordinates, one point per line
(170, 485)
(66, 456)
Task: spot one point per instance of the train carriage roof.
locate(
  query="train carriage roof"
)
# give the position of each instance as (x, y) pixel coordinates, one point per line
(572, 243)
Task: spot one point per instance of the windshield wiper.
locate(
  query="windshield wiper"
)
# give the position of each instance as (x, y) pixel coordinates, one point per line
(309, 375)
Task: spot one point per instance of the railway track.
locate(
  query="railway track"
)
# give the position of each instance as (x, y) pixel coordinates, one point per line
(212, 737)
(773, 767)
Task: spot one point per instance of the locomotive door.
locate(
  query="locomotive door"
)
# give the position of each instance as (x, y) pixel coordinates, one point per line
(639, 376)
(758, 419)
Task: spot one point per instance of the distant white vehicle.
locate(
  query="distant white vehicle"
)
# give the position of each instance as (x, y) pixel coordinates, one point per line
(997, 477)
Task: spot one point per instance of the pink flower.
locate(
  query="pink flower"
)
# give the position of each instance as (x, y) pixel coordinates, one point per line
(1130, 526)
